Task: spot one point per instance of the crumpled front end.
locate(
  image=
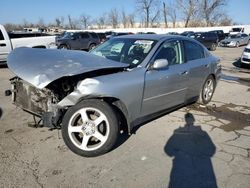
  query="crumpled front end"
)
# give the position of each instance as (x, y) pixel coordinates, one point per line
(38, 102)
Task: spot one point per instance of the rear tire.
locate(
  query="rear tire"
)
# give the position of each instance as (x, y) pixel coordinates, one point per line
(213, 47)
(237, 45)
(87, 135)
(91, 46)
(63, 47)
(207, 91)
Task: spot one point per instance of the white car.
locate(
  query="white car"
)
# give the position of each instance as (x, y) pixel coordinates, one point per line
(7, 43)
(245, 57)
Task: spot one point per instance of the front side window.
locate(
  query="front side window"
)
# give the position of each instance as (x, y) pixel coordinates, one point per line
(171, 50)
(193, 51)
(124, 50)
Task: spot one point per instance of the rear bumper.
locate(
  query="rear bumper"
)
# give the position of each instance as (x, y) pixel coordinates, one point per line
(245, 60)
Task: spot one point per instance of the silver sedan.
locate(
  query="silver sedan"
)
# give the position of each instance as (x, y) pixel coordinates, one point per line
(124, 82)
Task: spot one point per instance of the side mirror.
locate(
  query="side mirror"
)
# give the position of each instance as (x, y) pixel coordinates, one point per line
(160, 64)
(73, 38)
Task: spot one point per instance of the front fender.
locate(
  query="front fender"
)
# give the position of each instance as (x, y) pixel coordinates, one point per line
(125, 86)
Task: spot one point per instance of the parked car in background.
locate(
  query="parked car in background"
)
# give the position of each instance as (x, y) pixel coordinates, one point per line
(245, 57)
(78, 41)
(220, 33)
(235, 40)
(172, 33)
(114, 34)
(123, 82)
(187, 33)
(208, 39)
(102, 37)
(8, 42)
(240, 29)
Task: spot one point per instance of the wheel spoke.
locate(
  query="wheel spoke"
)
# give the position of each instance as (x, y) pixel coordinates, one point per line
(85, 141)
(75, 129)
(99, 136)
(84, 115)
(99, 120)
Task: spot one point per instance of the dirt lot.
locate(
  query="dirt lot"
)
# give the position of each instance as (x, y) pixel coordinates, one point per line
(212, 150)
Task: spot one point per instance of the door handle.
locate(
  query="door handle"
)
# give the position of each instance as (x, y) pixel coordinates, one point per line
(2, 44)
(184, 73)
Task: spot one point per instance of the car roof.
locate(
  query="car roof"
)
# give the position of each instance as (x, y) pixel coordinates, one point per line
(157, 37)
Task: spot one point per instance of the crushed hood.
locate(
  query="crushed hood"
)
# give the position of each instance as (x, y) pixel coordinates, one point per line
(40, 67)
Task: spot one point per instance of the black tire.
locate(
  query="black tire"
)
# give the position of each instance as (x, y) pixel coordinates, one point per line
(63, 46)
(213, 47)
(237, 45)
(202, 98)
(92, 46)
(107, 111)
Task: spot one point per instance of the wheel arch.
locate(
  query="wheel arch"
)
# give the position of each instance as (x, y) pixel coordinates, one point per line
(119, 108)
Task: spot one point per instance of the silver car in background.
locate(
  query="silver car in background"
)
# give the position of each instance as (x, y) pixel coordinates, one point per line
(122, 83)
(235, 40)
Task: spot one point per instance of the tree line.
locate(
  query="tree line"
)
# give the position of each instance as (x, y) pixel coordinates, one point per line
(147, 13)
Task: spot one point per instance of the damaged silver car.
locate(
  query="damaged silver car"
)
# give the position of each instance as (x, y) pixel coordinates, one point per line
(122, 83)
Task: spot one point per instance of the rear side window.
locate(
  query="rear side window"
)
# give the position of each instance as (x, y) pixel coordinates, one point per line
(84, 35)
(94, 35)
(193, 51)
(1, 36)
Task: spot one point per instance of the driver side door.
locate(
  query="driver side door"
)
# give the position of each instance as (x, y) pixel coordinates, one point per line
(167, 87)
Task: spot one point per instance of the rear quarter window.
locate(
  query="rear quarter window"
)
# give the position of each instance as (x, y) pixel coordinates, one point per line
(193, 51)
(1, 35)
(94, 35)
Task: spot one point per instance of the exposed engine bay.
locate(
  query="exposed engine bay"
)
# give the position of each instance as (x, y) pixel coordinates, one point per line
(42, 103)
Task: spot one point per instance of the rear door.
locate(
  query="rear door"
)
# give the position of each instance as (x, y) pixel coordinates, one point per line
(5, 46)
(198, 61)
(167, 87)
(85, 41)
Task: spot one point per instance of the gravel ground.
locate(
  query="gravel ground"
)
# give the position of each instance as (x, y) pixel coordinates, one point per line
(209, 149)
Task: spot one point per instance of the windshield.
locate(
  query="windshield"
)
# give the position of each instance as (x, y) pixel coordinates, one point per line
(129, 51)
(234, 36)
(68, 34)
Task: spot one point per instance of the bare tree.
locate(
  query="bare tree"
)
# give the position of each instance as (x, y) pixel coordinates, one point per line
(71, 26)
(125, 19)
(59, 21)
(171, 8)
(155, 18)
(165, 13)
(188, 8)
(149, 8)
(225, 20)
(40, 23)
(84, 20)
(72, 23)
(102, 21)
(131, 20)
(211, 10)
(114, 18)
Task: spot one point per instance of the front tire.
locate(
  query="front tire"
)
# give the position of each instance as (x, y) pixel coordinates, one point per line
(207, 91)
(90, 128)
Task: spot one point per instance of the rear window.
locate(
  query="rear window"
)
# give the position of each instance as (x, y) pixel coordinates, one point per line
(1, 36)
(193, 51)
